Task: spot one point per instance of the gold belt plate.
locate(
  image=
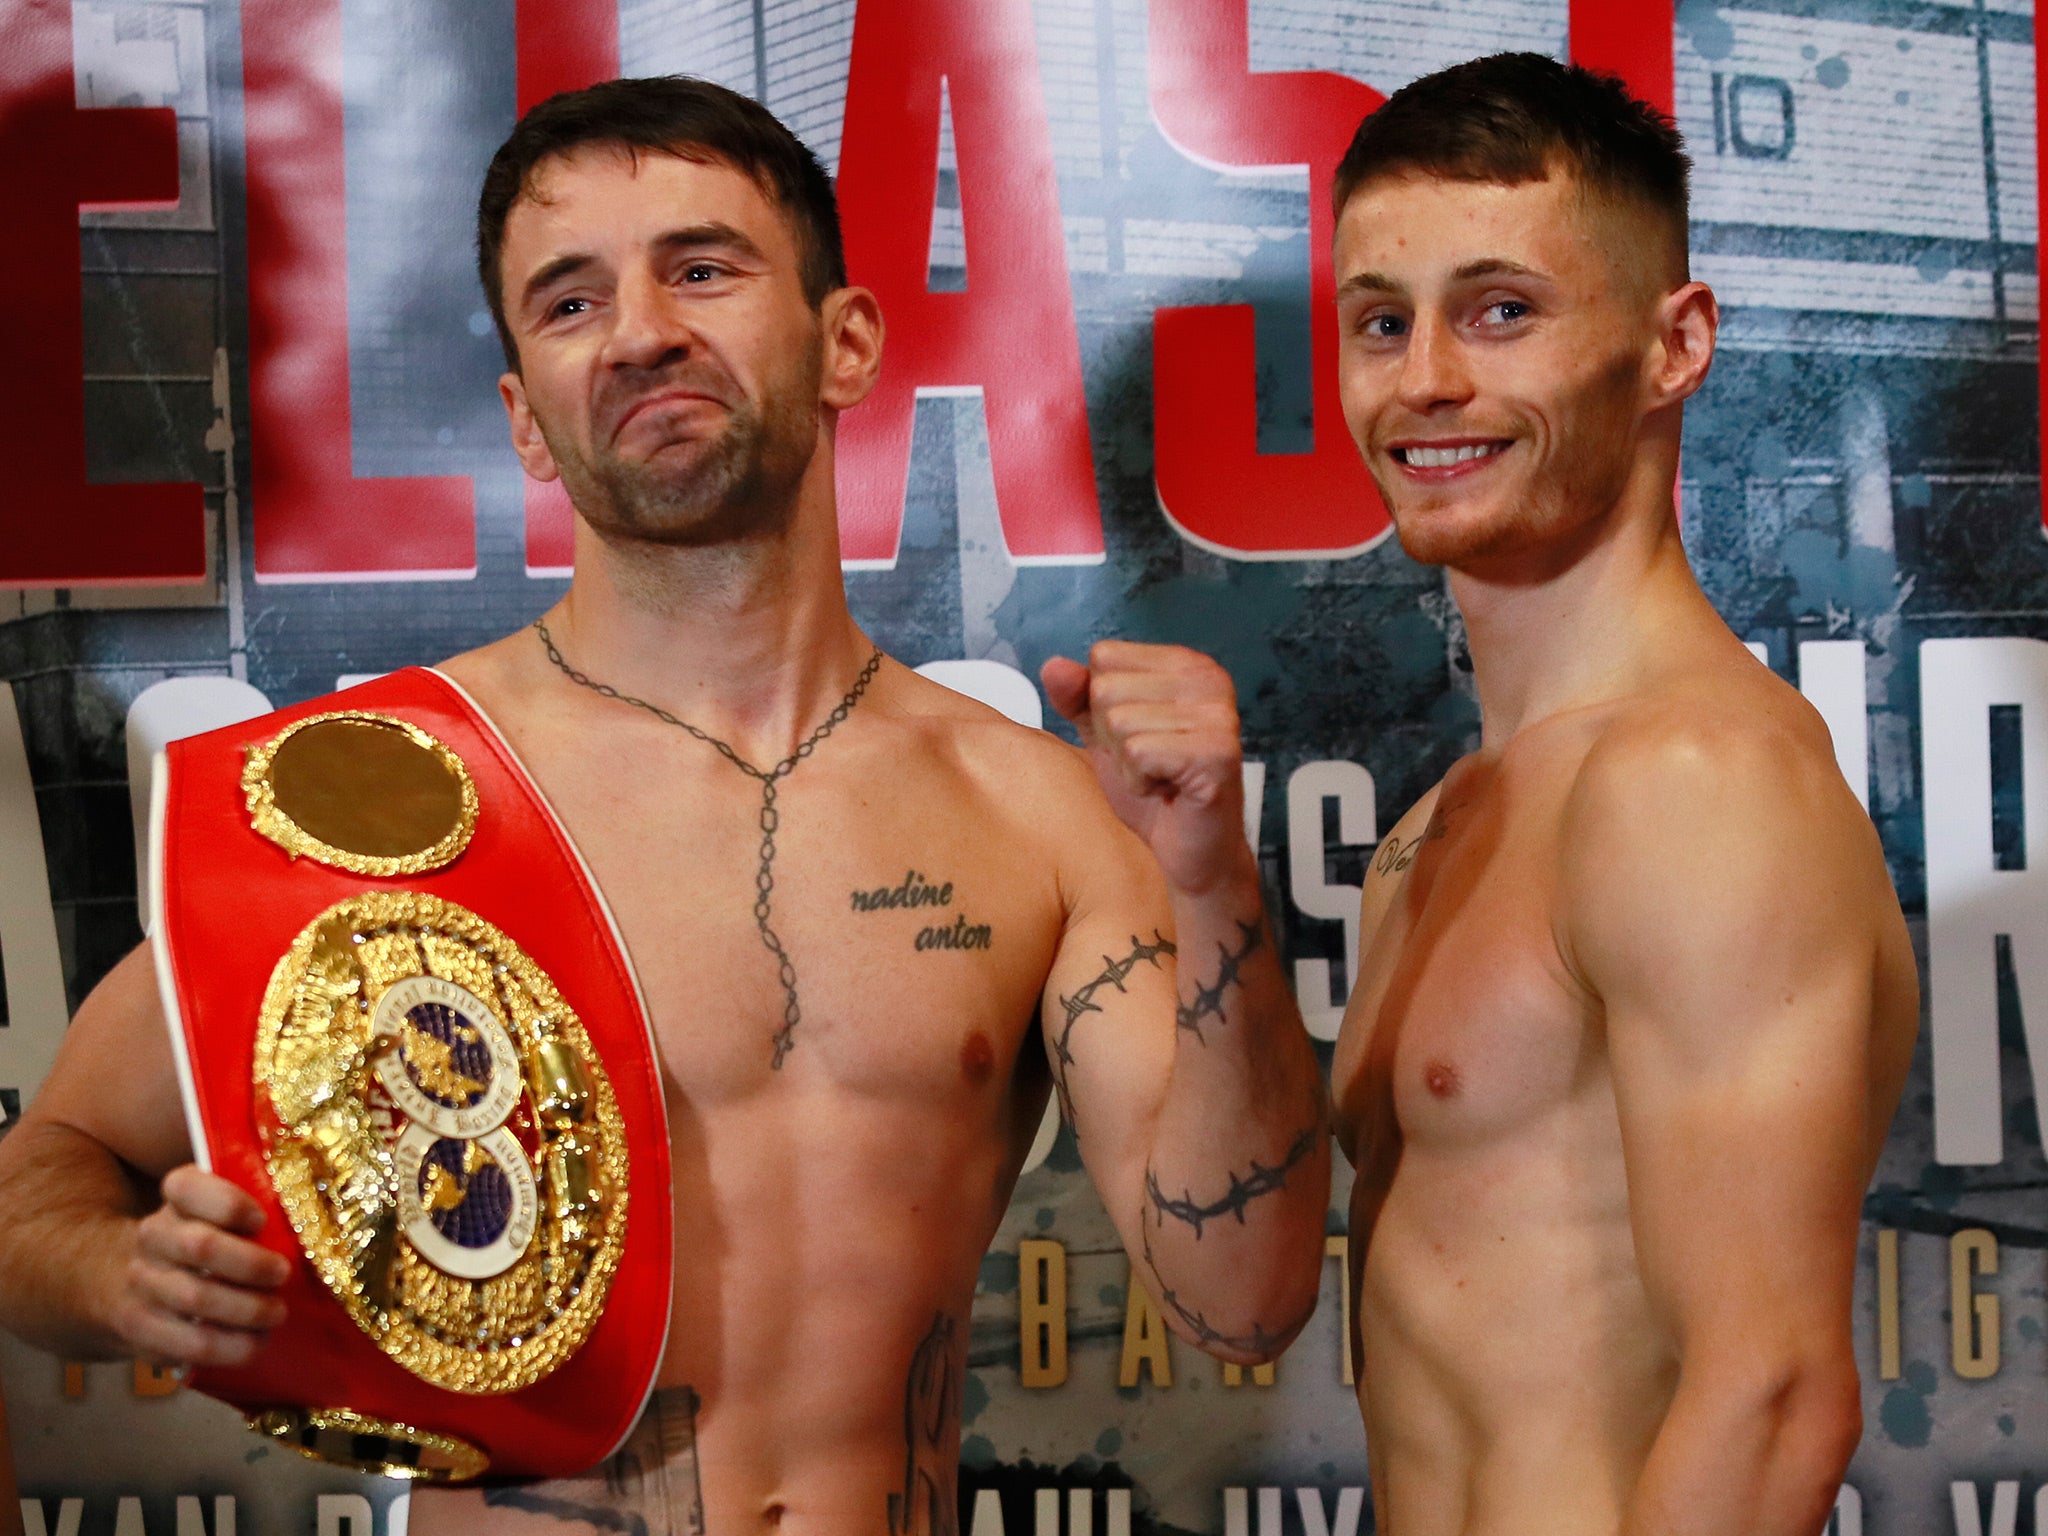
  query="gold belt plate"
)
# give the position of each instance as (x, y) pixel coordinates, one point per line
(445, 1143)
(365, 792)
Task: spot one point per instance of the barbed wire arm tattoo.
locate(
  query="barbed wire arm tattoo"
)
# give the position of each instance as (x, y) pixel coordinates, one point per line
(1208, 1001)
(1243, 1190)
(1082, 1001)
(1204, 1333)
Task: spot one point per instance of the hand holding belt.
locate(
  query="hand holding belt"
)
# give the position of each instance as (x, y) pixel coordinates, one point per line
(406, 1025)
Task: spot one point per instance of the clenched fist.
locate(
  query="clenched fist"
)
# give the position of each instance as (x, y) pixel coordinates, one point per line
(1160, 724)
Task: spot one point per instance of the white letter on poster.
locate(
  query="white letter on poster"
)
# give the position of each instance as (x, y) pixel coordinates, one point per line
(36, 1008)
(345, 1514)
(1971, 902)
(69, 1513)
(2005, 1509)
(192, 1516)
(1307, 875)
(1832, 677)
(1315, 1521)
(988, 1514)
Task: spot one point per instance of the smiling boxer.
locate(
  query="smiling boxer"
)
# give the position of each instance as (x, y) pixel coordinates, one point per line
(848, 1098)
(1636, 1000)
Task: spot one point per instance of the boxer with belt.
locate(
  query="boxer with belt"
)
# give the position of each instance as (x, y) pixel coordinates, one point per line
(876, 925)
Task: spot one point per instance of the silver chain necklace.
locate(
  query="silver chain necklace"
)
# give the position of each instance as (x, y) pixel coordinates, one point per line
(764, 879)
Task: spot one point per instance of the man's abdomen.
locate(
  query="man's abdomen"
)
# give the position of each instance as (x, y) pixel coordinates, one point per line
(1514, 1376)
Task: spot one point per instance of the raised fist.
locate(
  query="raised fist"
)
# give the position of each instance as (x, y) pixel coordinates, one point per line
(1160, 725)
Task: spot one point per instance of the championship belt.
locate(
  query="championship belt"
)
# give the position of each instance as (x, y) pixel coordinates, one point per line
(405, 1023)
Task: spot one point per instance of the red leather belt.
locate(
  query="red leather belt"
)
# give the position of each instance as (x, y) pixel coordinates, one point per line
(406, 1025)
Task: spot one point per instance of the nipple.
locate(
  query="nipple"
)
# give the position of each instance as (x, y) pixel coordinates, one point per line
(1441, 1078)
(977, 1058)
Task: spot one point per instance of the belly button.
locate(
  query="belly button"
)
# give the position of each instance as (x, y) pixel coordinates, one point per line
(772, 1515)
(1441, 1078)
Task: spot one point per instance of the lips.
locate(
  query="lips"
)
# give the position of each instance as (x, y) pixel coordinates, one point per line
(659, 400)
(1448, 455)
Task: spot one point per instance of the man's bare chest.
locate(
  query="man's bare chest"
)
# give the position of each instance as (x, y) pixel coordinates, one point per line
(1466, 1025)
(885, 935)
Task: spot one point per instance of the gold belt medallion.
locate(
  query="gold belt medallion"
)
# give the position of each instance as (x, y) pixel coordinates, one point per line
(446, 1143)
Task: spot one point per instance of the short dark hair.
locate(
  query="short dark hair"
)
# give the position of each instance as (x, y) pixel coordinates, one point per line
(1513, 117)
(673, 115)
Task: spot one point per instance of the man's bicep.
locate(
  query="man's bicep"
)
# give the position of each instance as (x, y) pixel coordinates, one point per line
(1745, 1161)
(114, 1078)
(1728, 940)
(1109, 1007)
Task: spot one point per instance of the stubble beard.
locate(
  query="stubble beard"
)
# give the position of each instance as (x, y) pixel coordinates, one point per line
(738, 485)
(1451, 542)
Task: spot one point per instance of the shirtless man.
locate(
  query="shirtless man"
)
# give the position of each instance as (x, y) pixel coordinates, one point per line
(681, 339)
(1636, 1000)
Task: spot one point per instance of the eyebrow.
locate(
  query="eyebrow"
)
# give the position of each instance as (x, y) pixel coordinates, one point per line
(1369, 282)
(711, 233)
(1493, 266)
(1485, 266)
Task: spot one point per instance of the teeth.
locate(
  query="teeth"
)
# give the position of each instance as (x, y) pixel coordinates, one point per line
(1444, 458)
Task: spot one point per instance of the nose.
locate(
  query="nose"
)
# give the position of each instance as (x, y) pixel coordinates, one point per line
(1434, 374)
(649, 327)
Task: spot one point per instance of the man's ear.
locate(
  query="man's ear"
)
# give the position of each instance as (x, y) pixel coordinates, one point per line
(1688, 319)
(527, 442)
(852, 322)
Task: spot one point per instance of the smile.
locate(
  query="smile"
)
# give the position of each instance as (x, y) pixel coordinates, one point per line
(1418, 456)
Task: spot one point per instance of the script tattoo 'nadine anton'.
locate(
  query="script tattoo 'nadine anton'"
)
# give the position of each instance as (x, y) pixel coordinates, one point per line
(914, 891)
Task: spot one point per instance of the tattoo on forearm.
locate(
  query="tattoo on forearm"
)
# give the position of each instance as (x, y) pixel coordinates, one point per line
(931, 1432)
(1244, 1189)
(1082, 1001)
(914, 891)
(1206, 1335)
(1208, 1001)
(648, 1487)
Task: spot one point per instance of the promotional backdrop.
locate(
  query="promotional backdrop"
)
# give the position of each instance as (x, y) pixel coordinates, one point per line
(252, 436)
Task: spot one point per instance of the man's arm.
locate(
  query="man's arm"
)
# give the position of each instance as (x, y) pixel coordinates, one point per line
(1725, 899)
(1179, 1055)
(92, 1264)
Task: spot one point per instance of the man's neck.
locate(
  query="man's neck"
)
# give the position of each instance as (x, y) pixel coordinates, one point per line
(1567, 629)
(749, 640)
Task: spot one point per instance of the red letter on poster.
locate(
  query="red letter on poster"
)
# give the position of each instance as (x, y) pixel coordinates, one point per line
(1627, 38)
(1012, 332)
(58, 529)
(564, 45)
(315, 521)
(1214, 484)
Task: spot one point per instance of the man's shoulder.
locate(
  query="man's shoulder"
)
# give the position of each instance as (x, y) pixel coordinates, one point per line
(1727, 743)
(996, 750)
(1721, 797)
